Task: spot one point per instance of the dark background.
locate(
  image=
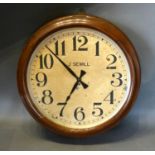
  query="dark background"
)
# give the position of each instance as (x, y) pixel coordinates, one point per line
(18, 131)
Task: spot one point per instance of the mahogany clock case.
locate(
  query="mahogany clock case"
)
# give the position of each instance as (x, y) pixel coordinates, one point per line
(80, 21)
(19, 131)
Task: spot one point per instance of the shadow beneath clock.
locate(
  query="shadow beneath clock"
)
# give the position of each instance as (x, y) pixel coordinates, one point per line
(124, 130)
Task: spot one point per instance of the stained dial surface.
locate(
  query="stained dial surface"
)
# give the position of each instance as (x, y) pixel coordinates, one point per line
(78, 78)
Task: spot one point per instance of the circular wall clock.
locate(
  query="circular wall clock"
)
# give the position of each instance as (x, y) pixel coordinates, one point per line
(78, 75)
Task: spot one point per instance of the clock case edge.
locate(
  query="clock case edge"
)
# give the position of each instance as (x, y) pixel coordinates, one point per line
(87, 21)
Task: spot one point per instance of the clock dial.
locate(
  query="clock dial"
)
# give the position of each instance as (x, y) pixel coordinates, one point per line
(78, 78)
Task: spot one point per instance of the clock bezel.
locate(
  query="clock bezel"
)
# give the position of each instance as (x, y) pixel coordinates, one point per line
(86, 21)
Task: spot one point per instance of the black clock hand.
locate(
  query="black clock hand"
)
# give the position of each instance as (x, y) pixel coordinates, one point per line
(71, 71)
(75, 85)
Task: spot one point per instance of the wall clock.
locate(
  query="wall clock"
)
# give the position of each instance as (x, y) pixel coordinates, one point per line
(78, 75)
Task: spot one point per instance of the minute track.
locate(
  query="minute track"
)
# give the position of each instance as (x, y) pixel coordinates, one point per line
(65, 119)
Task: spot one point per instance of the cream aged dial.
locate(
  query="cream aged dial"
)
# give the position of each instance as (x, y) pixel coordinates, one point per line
(78, 80)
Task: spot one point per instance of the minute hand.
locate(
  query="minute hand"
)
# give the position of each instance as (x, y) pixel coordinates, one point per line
(69, 70)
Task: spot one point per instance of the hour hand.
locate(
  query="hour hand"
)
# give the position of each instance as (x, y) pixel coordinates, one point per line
(79, 79)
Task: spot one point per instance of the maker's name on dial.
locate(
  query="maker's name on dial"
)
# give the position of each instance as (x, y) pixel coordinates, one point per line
(78, 64)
